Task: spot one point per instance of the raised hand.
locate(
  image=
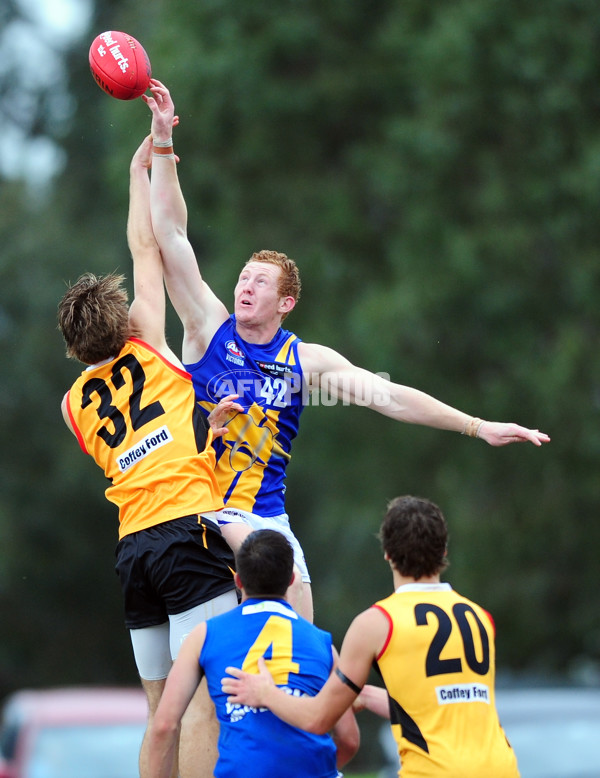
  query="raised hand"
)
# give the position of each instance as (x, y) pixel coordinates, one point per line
(163, 110)
(222, 413)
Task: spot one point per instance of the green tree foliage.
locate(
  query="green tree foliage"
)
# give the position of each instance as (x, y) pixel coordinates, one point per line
(433, 168)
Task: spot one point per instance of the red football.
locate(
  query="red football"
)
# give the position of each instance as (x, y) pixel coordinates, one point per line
(120, 65)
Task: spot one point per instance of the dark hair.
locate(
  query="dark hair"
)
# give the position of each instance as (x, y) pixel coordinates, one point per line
(93, 317)
(265, 563)
(414, 535)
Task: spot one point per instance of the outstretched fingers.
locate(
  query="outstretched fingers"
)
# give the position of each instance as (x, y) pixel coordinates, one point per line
(502, 434)
(222, 413)
(234, 686)
(247, 688)
(163, 111)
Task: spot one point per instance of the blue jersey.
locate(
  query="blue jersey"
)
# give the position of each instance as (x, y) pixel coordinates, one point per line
(253, 742)
(252, 458)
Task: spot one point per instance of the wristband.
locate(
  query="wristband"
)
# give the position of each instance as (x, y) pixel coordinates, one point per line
(472, 427)
(163, 148)
(163, 151)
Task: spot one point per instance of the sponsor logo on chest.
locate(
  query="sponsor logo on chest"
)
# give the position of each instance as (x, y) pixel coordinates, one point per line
(147, 445)
(462, 692)
(275, 369)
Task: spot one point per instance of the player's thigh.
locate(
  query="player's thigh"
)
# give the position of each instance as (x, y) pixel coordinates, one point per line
(152, 653)
(235, 533)
(181, 624)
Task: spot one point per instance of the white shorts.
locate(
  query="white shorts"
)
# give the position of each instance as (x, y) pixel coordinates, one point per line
(278, 523)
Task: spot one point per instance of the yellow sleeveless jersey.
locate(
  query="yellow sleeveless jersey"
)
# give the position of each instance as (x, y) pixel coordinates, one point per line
(438, 666)
(137, 416)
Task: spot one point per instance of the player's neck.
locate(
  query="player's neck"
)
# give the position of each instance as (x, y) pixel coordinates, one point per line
(402, 580)
(249, 596)
(259, 334)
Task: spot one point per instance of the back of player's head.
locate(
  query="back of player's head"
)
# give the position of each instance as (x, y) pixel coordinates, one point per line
(265, 563)
(289, 280)
(93, 317)
(414, 536)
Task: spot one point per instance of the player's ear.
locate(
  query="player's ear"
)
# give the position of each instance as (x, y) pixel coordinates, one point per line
(237, 581)
(292, 579)
(286, 304)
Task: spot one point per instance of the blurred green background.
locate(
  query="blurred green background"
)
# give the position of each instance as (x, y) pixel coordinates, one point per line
(434, 169)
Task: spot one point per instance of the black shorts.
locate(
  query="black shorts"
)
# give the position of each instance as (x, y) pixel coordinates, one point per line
(172, 567)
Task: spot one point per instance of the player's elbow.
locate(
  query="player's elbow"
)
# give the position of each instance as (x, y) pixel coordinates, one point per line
(168, 224)
(346, 736)
(164, 730)
(347, 746)
(352, 741)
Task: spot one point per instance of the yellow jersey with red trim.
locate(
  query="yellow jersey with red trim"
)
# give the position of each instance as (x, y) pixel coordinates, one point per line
(137, 416)
(438, 665)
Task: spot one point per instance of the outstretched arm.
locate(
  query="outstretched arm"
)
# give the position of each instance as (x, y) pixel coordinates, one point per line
(362, 643)
(147, 311)
(374, 699)
(334, 374)
(314, 714)
(200, 311)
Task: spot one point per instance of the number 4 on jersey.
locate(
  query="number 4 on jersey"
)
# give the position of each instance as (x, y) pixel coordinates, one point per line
(274, 643)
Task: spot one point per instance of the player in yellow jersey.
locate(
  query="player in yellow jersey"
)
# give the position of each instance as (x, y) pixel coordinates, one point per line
(434, 650)
(133, 409)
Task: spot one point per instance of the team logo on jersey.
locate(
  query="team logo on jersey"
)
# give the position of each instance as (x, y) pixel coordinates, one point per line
(234, 353)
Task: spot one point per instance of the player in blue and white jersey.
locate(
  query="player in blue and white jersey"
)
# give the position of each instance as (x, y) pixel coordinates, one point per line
(253, 742)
